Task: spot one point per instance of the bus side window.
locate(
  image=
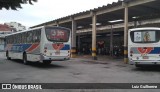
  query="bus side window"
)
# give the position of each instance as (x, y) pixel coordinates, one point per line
(38, 35)
(27, 41)
(21, 38)
(34, 36)
(15, 37)
(29, 37)
(22, 41)
(18, 38)
(12, 39)
(6, 40)
(25, 37)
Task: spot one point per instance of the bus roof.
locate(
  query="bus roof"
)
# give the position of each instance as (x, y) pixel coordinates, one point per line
(24, 31)
(33, 29)
(2, 36)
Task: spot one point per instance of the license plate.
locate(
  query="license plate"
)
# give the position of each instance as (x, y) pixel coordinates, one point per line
(145, 57)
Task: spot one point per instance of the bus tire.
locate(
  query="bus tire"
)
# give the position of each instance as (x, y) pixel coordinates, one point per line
(138, 66)
(25, 59)
(47, 62)
(7, 55)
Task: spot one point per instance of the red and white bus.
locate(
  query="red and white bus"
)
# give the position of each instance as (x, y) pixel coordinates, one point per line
(144, 46)
(43, 44)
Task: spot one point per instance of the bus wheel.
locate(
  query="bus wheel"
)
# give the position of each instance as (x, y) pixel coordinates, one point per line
(25, 59)
(8, 58)
(137, 65)
(47, 62)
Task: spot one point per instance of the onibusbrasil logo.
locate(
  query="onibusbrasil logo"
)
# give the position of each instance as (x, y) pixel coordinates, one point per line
(21, 86)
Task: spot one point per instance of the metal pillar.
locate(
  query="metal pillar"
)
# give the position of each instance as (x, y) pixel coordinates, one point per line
(73, 43)
(94, 36)
(111, 41)
(125, 33)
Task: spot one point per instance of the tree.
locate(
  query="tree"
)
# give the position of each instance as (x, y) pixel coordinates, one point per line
(14, 4)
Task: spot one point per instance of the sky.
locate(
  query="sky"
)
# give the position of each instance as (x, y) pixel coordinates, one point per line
(47, 10)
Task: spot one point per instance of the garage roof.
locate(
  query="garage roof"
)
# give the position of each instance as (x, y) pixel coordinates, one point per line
(138, 10)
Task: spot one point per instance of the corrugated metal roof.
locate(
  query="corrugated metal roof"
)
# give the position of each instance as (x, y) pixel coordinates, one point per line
(83, 12)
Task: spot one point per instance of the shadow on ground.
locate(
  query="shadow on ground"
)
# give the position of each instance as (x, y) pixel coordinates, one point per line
(148, 68)
(39, 65)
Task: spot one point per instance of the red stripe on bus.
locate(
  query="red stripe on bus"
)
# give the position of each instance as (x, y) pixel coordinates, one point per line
(32, 47)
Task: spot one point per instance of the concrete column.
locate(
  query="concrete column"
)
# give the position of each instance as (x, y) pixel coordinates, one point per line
(73, 43)
(125, 33)
(94, 36)
(135, 23)
(111, 41)
(57, 24)
(79, 44)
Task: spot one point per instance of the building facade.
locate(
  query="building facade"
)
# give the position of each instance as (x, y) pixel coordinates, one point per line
(4, 29)
(16, 26)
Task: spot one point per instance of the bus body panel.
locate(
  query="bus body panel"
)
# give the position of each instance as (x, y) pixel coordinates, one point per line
(16, 51)
(143, 52)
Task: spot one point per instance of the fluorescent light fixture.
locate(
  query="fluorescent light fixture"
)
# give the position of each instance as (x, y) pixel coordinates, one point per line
(80, 27)
(113, 34)
(135, 17)
(98, 35)
(97, 24)
(114, 21)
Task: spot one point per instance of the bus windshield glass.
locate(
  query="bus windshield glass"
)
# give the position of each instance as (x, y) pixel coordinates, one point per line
(57, 34)
(145, 36)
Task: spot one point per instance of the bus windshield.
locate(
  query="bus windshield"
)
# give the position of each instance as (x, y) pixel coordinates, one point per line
(145, 36)
(57, 34)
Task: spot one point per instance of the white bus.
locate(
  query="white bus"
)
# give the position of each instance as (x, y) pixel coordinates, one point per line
(43, 44)
(144, 46)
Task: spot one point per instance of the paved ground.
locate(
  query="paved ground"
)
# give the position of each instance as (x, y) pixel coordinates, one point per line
(78, 70)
